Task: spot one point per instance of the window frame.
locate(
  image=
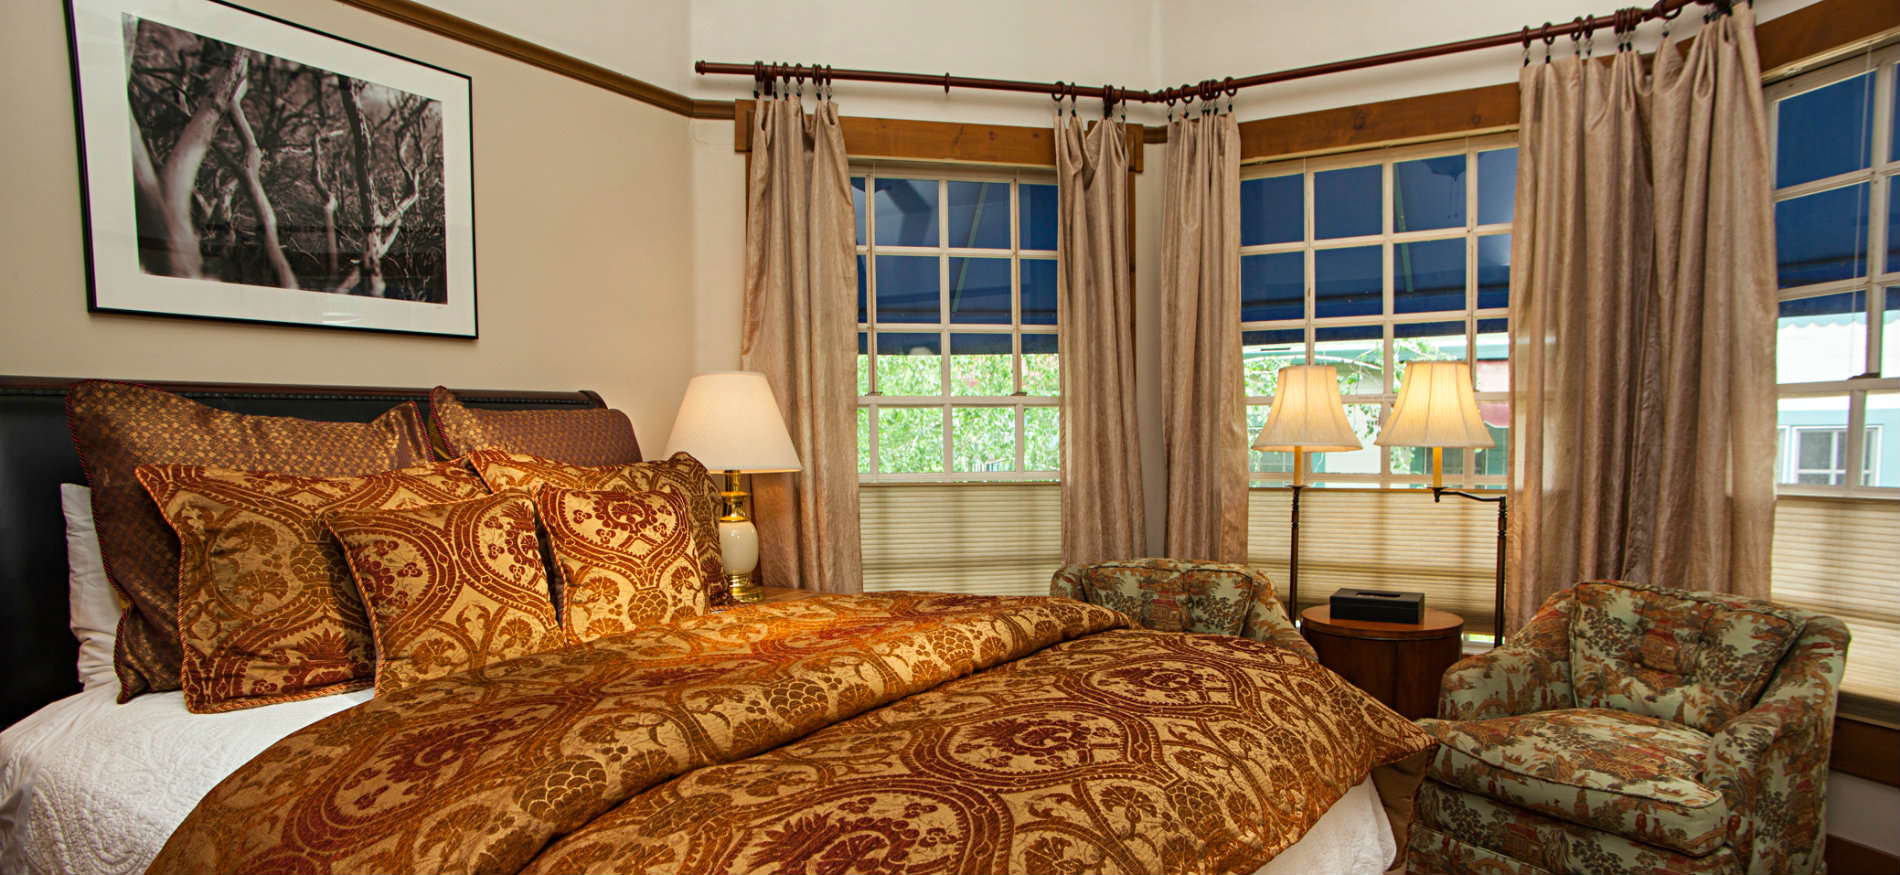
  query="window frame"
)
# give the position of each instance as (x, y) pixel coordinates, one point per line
(1881, 174)
(874, 401)
(1385, 158)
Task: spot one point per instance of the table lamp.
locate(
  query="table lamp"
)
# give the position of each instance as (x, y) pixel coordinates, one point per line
(730, 422)
(1307, 416)
(1437, 408)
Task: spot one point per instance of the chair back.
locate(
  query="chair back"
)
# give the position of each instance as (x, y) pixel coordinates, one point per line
(1169, 595)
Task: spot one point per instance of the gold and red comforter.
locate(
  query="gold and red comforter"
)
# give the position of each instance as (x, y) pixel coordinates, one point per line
(886, 733)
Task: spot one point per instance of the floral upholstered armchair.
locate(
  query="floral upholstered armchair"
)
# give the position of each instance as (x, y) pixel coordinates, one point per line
(1174, 595)
(1631, 728)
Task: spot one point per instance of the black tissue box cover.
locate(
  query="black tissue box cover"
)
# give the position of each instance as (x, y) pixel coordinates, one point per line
(1378, 606)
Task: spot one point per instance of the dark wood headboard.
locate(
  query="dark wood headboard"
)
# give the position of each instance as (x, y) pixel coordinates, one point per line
(37, 648)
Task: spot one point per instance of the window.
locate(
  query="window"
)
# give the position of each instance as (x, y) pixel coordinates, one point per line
(1837, 230)
(958, 379)
(1367, 262)
(957, 364)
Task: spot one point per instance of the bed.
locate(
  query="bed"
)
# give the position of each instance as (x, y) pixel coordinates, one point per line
(914, 732)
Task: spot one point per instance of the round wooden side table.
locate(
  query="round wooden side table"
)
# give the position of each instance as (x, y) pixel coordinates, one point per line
(1400, 664)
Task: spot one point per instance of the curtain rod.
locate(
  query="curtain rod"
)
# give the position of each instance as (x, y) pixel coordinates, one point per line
(1208, 89)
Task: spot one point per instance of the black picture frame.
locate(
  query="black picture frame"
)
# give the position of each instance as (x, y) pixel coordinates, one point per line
(237, 166)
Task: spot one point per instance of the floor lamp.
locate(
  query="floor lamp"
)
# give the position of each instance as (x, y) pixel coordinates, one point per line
(1307, 416)
(1437, 409)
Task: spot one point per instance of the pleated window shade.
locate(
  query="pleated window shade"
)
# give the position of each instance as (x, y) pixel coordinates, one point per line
(1837, 556)
(1375, 539)
(978, 538)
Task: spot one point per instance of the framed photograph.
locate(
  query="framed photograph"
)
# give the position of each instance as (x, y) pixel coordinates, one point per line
(238, 166)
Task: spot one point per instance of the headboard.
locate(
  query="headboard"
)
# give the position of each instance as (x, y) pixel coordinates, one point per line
(37, 648)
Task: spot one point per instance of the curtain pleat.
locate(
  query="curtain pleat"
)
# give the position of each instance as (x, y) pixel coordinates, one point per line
(1203, 418)
(1642, 322)
(1101, 450)
(800, 317)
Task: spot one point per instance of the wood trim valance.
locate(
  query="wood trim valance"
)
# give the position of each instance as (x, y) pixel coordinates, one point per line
(952, 142)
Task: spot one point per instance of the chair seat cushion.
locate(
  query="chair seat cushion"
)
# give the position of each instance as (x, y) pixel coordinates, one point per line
(1626, 774)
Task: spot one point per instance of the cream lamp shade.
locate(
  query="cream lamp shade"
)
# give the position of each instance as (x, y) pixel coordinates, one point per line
(1307, 413)
(1307, 416)
(1436, 408)
(730, 422)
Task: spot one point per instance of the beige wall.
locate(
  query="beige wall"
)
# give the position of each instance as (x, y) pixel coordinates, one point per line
(583, 267)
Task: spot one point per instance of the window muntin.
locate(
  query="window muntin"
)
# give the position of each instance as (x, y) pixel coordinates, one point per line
(958, 373)
(1837, 228)
(1366, 262)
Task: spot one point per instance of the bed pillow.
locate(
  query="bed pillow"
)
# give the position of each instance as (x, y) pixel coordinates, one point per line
(267, 611)
(118, 427)
(449, 587)
(598, 436)
(682, 474)
(626, 559)
(92, 608)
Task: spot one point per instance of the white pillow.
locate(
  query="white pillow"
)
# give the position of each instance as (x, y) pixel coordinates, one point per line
(93, 607)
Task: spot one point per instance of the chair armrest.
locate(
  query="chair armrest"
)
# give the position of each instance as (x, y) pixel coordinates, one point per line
(1770, 763)
(1268, 621)
(1529, 673)
(1067, 583)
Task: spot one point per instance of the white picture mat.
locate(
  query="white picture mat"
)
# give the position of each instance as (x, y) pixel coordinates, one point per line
(118, 283)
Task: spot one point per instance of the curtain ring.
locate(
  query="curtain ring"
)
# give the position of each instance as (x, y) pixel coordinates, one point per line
(1232, 90)
(1576, 37)
(1527, 45)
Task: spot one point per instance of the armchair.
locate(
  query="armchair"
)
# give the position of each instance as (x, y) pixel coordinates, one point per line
(1636, 728)
(1175, 595)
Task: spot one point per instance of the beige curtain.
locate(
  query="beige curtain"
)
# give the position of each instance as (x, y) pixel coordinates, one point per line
(1203, 417)
(800, 320)
(1101, 451)
(1642, 321)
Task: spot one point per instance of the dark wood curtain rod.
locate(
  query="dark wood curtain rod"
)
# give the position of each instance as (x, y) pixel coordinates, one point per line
(1620, 21)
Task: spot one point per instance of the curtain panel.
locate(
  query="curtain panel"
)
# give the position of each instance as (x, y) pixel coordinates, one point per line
(800, 318)
(1642, 322)
(1203, 400)
(1101, 449)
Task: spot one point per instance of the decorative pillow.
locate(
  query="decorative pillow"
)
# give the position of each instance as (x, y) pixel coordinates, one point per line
(626, 559)
(267, 612)
(92, 608)
(600, 436)
(1695, 658)
(118, 427)
(682, 474)
(450, 587)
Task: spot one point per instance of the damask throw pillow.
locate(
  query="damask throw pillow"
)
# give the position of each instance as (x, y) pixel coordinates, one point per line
(267, 611)
(119, 426)
(449, 587)
(626, 559)
(600, 436)
(681, 474)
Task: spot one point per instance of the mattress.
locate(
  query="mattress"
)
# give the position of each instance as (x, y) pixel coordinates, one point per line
(87, 785)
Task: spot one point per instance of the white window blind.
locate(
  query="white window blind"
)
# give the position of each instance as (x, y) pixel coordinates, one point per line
(1381, 539)
(979, 538)
(1837, 556)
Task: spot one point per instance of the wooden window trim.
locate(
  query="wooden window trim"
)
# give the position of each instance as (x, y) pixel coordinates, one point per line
(942, 142)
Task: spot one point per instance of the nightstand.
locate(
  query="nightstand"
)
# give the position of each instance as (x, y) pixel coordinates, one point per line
(1400, 664)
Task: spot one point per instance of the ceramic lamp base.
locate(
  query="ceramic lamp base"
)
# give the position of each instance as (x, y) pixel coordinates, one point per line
(739, 543)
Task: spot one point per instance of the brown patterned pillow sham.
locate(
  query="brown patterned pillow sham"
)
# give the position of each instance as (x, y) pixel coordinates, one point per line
(625, 559)
(682, 474)
(118, 426)
(600, 436)
(267, 612)
(449, 587)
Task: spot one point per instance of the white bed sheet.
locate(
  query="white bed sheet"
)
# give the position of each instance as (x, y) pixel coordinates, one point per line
(88, 785)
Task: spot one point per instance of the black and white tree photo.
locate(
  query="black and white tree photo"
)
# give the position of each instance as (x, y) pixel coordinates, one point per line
(251, 169)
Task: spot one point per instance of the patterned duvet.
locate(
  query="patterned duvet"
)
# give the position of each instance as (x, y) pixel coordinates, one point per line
(874, 733)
